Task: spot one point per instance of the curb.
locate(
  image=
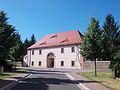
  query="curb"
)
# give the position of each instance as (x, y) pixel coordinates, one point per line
(80, 85)
(11, 85)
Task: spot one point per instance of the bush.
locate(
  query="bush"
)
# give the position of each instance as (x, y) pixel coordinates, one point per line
(8, 65)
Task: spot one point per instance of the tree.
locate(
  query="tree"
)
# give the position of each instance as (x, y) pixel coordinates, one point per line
(91, 48)
(116, 64)
(112, 42)
(33, 40)
(109, 30)
(28, 43)
(19, 50)
(8, 38)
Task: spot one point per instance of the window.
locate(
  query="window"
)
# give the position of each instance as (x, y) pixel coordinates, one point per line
(62, 50)
(53, 36)
(62, 63)
(72, 49)
(39, 63)
(40, 52)
(43, 43)
(32, 63)
(32, 52)
(72, 63)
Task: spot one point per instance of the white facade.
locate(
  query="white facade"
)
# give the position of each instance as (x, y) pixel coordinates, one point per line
(67, 59)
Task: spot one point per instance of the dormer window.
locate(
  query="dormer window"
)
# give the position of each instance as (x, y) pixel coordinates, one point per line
(53, 36)
(64, 41)
(43, 43)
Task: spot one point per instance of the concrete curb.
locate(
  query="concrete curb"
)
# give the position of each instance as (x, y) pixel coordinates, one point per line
(11, 85)
(80, 85)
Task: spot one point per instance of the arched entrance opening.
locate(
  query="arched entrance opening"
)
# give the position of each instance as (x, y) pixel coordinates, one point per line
(50, 60)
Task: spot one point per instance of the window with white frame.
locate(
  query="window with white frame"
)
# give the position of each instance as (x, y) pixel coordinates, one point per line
(72, 63)
(40, 52)
(32, 52)
(40, 63)
(62, 50)
(62, 63)
(72, 49)
(32, 63)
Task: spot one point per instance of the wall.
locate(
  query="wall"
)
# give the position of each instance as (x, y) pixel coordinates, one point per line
(67, 57)
(100, 64)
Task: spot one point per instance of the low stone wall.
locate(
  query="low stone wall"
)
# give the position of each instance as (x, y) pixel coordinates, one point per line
(100, 64)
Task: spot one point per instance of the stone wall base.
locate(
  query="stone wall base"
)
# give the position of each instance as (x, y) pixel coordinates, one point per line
(100, 64)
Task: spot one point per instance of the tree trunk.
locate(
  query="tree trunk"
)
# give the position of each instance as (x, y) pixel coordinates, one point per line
(95, 67)
(1, 69)
(115, 73)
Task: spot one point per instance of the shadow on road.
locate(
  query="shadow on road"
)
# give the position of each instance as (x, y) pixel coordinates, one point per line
(42, 83)
(5, 82)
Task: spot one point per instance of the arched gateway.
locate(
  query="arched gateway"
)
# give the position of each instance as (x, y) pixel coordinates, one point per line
(50, 60)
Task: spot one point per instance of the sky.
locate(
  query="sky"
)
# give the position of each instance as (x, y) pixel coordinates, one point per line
(42, 17)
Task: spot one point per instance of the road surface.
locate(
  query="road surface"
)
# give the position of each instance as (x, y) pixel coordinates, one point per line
(46, 80)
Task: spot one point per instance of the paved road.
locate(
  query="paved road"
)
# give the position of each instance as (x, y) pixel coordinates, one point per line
(46, 80)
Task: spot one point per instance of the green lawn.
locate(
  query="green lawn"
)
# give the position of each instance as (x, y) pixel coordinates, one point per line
(21, 70)
(104, 78)
(6, 75)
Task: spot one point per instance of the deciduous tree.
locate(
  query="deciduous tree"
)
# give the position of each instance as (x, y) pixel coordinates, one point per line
(92, 42)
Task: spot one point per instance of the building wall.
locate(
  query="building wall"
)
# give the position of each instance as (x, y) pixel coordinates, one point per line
(67, 57)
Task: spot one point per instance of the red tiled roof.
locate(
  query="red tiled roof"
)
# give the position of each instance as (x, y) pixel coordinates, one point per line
(72, 37)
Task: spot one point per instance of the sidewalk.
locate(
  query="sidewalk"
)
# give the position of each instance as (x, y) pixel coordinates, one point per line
(92, 85)
(11, 81)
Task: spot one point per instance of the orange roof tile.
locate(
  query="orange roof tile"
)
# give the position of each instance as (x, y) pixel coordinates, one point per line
(72, 37)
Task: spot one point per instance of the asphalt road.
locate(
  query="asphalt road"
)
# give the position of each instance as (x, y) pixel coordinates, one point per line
(46, 80)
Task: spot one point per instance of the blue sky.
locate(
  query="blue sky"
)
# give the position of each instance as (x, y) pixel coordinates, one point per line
(43, 17)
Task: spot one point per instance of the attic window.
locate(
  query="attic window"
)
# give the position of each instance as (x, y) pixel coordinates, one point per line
(64, 40)
(43, 43)
(53, 36)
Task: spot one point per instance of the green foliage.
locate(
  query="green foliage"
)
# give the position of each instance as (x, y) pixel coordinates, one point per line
(112, 43)
(8, 39)
(91, 42)
(8, 65)
(115, 64)
(103, 44)
(28, 43)
(33, 40)
(110, 32)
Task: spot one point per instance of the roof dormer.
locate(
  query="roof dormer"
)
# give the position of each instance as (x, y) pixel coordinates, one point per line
(53, 36)
(65, 40)
(43, 43)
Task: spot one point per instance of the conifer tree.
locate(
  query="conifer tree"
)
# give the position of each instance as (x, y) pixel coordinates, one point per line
(112, 42)
(8, 38)
(32, 40)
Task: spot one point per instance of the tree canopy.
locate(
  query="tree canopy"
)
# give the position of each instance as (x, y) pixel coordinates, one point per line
(8, 38)
(103, 44)
(92, 42)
